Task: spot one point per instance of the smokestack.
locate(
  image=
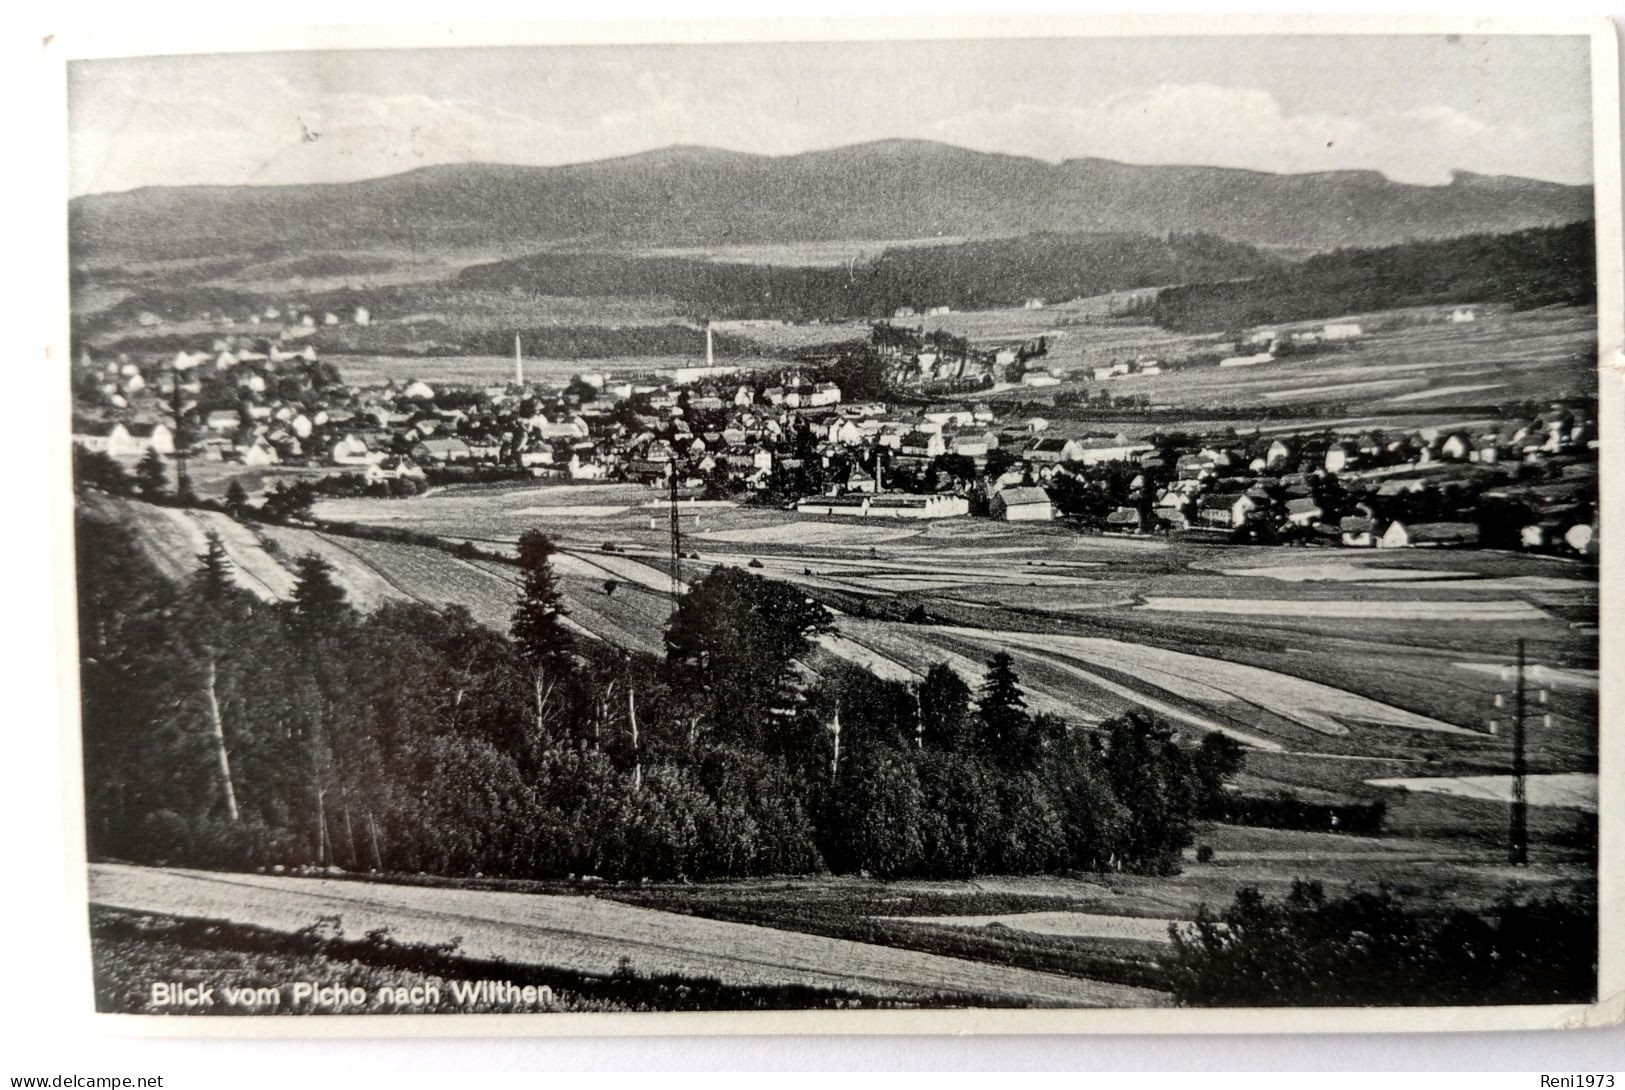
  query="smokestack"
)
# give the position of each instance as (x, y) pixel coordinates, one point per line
(710, 358)
(518, 363)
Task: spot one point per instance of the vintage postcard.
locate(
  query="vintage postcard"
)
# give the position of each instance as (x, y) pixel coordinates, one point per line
(1016, 526)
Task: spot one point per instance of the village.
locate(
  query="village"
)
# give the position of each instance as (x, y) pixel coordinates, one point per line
(795, 439)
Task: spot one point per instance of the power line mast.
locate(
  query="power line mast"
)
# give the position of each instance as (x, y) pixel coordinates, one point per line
(1518, 833)
(1518, 817)
(676, 539)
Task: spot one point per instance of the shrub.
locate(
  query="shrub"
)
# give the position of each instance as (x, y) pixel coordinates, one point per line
(1367, 948)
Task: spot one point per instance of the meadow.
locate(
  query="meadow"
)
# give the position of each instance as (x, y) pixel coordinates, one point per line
(1408, 364)
(598, 937)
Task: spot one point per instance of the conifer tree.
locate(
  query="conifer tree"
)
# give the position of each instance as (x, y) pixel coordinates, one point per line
(318, 606)
(213, 579)
(152, 474)
(1003, 713)
(537, 626)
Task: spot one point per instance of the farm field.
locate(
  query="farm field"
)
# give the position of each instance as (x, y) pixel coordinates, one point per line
(1389, 627)
(1080, 925)
(806, 254)
(1330, 708)
(595, 935)
(1335, 667)
(1101, 924)
(1407, 361)
(1570, 791)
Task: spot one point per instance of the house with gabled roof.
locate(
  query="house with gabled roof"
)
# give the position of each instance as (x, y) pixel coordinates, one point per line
(1022, 505)
(440, 451)
(1224, 512)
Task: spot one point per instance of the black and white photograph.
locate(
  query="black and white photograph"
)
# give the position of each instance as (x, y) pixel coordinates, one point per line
(997, 530)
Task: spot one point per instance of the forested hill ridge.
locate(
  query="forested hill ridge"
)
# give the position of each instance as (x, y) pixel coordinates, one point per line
(964, 276)
(1538, 267)
(891, 189)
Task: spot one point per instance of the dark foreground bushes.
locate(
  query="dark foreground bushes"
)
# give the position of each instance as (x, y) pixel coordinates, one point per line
(1286, 811)
(1369, 949)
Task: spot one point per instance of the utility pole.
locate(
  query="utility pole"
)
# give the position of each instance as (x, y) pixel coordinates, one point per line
(1518, 834)
(676, 540)
(1518, 820)
(183, 485)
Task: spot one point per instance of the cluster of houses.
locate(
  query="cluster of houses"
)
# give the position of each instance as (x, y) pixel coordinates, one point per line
(797, 436)
(1363, 490)
(914, 362)
(296, 319)
(258, 405)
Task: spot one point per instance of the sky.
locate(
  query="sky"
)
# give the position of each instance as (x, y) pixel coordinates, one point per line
(1413, 107)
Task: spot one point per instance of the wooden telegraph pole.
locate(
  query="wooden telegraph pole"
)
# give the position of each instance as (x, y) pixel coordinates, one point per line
(177, 405)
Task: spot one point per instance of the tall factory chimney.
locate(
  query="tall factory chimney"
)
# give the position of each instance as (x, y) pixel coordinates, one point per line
(710, 357)
(518, 363)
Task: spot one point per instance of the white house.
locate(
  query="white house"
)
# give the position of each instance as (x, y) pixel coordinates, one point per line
(110, 438)
(1052, 451)
(351, 450)
(260, 453)
(1302, 512)
(224, 421)
(825, 393)
(1022, 505)
(145, 437)
(1340, 331)
(1224, 511)
(1456, 447)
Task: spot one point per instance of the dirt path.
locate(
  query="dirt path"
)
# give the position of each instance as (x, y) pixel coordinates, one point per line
(590, 934)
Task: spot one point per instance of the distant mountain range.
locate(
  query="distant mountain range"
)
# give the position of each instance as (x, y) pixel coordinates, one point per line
(893, 189)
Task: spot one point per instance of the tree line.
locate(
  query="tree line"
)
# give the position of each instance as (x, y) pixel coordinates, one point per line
(970, 275)
(1541, 266)
(224, 731)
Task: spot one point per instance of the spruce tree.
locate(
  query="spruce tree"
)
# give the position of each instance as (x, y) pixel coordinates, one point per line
(318, 606)
(152, 474)
(213, 578)
(537, 626)
(1003, 714)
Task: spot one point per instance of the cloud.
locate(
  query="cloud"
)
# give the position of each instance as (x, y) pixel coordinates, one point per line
(1248, 128)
